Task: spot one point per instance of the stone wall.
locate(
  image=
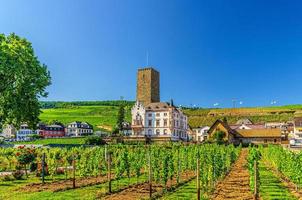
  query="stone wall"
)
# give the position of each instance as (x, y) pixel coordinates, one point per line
(147, 90)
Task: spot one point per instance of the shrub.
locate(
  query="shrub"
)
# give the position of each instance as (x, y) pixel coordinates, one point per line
(33, 166)
(94, 140)
(7, 178)
(18, 175)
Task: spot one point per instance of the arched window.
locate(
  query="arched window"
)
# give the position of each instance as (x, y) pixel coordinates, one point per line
(149, 132)
(157, 131)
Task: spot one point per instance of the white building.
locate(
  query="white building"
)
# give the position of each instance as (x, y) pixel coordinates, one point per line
(201, 133)
(9, 131)
(79, 129)
(159, 120)
(296, 136)
(23, 134)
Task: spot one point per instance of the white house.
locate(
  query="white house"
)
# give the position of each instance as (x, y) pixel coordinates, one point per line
(159, 120)
(9, 131)
(24, 132)
(79, 129)
(296, 136)
(201, 133)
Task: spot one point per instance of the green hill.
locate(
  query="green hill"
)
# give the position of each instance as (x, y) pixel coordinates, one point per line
(103, 115)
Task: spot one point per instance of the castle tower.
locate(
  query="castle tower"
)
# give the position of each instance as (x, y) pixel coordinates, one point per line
(147, 89)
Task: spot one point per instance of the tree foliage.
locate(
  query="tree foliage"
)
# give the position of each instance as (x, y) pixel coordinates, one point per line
(23, 80)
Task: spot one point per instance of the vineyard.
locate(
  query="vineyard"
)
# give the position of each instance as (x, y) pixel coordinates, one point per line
(162, 171)
(111, 172)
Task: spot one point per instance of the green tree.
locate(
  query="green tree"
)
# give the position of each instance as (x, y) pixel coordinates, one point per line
(23, 80)
(218, 137)
(120, 118)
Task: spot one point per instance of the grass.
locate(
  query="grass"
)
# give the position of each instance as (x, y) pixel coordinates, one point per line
(99, 116)
(8, 190)
(104, 117)
(187, 191)
(79, 140)
(271, 187)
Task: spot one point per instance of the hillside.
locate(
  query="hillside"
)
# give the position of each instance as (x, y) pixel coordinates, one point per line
(103, 116)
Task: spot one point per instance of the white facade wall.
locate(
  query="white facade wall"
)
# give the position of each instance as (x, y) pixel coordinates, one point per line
(160, 122)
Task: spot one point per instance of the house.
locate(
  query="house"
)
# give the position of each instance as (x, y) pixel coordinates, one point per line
(159, 120)
(254, 134)
(24, 133)
(76, 129)
(126, 128)
(201, 133)
(9, 131)
(52, 131)
(245, 121)
(296, 136)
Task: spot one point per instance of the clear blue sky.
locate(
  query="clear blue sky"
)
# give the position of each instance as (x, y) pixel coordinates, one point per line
(206, 51)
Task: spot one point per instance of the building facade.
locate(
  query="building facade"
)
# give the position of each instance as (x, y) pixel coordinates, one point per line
(255, 135)
(52, 131)
(147, 89)
(76, 129)
(9, 131)
(24, 133)
(201, 133)
(159, 120)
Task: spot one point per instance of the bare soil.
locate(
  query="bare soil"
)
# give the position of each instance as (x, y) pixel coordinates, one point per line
(235, 186)
(63, 185)
(141, 191)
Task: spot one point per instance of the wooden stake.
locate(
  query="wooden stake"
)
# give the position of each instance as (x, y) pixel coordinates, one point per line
(150, 174)
(109, 172)
(198, 181)
(43, 168)
(74, 170)
(255, 181)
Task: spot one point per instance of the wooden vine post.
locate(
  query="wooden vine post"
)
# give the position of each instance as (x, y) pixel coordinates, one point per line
(43, 168)
(150, 173)
(255, 180)
(198, 178)
(73, 172)
(109, 171)
(178, 167)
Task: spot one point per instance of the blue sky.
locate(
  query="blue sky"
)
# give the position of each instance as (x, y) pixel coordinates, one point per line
(206, 51)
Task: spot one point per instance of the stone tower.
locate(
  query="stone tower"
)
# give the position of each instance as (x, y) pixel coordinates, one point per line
(147, 89)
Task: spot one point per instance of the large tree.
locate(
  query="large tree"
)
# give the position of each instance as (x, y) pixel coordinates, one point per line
(23, 80)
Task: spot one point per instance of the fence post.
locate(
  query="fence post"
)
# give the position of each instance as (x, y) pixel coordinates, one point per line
(255, 180)
(150, 174)
(43, 168)
(74, 170)
(109, 171)
(198, 176)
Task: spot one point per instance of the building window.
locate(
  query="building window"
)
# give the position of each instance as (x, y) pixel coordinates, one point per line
(149, 132)
(157, 131)
(165, 131)
(157, 114)
(157, 123)
(150, 115)
(149, 122)
(165, 122)
(165, 114)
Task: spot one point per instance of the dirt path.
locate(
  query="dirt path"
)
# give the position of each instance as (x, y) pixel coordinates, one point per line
(141, 191)
(235, 185)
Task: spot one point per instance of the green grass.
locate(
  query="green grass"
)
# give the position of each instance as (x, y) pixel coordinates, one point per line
(104, 116)
(271, 187)
(8, 190)
(187, 191)
(80, 140)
